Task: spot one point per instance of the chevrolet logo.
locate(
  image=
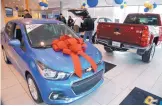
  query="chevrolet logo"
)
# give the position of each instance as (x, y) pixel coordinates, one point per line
(117, 33)
(89, 69)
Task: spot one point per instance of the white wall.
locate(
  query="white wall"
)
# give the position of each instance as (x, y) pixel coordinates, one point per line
(105, 8)
(2, 23)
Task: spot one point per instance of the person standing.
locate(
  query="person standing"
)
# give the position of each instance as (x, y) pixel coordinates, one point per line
(27, 14)
(70, 22)
(77, 24)
(88, 27)
(62, 19)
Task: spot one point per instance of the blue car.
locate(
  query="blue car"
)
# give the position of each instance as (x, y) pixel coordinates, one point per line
(26, 43)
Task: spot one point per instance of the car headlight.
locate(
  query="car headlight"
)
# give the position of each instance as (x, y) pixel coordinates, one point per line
(51, 74)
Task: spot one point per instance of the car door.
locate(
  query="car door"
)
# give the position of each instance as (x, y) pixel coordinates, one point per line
(20, 52)
(8, 35)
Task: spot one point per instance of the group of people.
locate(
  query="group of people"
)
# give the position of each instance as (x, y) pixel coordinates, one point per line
(81, 24)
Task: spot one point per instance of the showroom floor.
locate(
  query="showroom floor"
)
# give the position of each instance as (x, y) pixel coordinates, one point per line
(129, 72)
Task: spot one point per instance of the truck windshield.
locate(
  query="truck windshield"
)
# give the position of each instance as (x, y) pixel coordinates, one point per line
(142, 19)
(42, 35)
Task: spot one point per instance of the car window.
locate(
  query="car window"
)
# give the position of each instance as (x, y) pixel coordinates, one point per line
(101, 20)
(142, 19)
(18, 35)
(9, 29)
(108, 20)
(42, 35)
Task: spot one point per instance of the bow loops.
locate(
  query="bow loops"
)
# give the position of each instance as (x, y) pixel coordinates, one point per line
(73, 47)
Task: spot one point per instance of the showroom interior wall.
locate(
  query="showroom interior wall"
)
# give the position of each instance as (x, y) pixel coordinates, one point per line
(108, 8)
(2, 16)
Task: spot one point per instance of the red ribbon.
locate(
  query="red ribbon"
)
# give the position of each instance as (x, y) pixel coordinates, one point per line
(73, 47)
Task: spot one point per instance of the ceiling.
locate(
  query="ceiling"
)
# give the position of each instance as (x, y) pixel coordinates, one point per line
(33, 4)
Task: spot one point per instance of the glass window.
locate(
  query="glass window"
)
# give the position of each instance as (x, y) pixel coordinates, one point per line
(101, 20)
(10, 30)
(108, 20)
(42, 35)
(142, 19)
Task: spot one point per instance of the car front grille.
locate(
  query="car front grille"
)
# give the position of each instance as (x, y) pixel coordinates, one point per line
(86, 84)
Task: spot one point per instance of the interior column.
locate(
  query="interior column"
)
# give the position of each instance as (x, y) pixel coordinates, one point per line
(27, 4)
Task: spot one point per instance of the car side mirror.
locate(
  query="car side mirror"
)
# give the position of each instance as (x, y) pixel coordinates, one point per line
(14, 43)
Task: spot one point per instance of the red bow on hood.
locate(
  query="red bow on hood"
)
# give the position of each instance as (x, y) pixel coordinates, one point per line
(73, 47)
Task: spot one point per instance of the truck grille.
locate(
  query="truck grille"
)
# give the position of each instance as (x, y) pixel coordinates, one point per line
(86, 84)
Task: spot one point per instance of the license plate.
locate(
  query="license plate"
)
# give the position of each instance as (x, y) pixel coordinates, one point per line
(116, 44)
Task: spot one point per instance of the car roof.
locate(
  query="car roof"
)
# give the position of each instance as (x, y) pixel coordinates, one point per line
(35, 21)
(143, 14)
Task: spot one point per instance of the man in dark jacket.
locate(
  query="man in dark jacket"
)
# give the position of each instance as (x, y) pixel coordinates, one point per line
(70, 22)
(88, 27)
(62, 19)
(27, 15)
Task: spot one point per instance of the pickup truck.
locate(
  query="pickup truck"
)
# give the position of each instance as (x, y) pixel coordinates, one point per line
(140, 33)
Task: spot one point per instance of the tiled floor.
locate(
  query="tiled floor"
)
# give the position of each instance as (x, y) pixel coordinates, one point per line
(130, 72)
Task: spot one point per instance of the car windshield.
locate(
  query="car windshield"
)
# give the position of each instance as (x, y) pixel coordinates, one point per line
(142, 19)
(42, 35)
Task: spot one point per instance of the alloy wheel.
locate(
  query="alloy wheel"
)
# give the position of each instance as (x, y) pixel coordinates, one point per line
(32, 88)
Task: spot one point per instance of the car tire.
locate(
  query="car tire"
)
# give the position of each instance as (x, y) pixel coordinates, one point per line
(107, 49)
(148, 55)
(5, 56)
(33, 89)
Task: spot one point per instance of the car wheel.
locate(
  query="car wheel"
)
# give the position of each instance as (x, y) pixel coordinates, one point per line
(33, 89)
(109, 50)
(148, 55)
(5, 57)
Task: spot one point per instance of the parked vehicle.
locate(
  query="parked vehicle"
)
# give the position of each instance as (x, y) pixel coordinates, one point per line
(139, 32)
(50, 75)
(85, 13)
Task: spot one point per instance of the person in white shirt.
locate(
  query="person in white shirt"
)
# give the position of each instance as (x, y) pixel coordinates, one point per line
(77, 24)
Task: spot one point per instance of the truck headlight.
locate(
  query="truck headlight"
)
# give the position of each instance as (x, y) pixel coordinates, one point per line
(51, 74)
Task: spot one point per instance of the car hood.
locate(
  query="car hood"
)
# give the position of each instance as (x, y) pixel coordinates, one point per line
(61, 62)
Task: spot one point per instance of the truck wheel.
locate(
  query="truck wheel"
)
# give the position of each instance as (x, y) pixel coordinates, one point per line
(109, 50)
(33, 89)
(148, 55)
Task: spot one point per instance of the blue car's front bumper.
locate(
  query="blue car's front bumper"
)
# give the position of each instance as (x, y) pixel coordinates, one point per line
(71, 89)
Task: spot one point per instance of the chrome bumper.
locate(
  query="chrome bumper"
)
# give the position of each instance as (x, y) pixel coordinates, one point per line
(125, 47)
